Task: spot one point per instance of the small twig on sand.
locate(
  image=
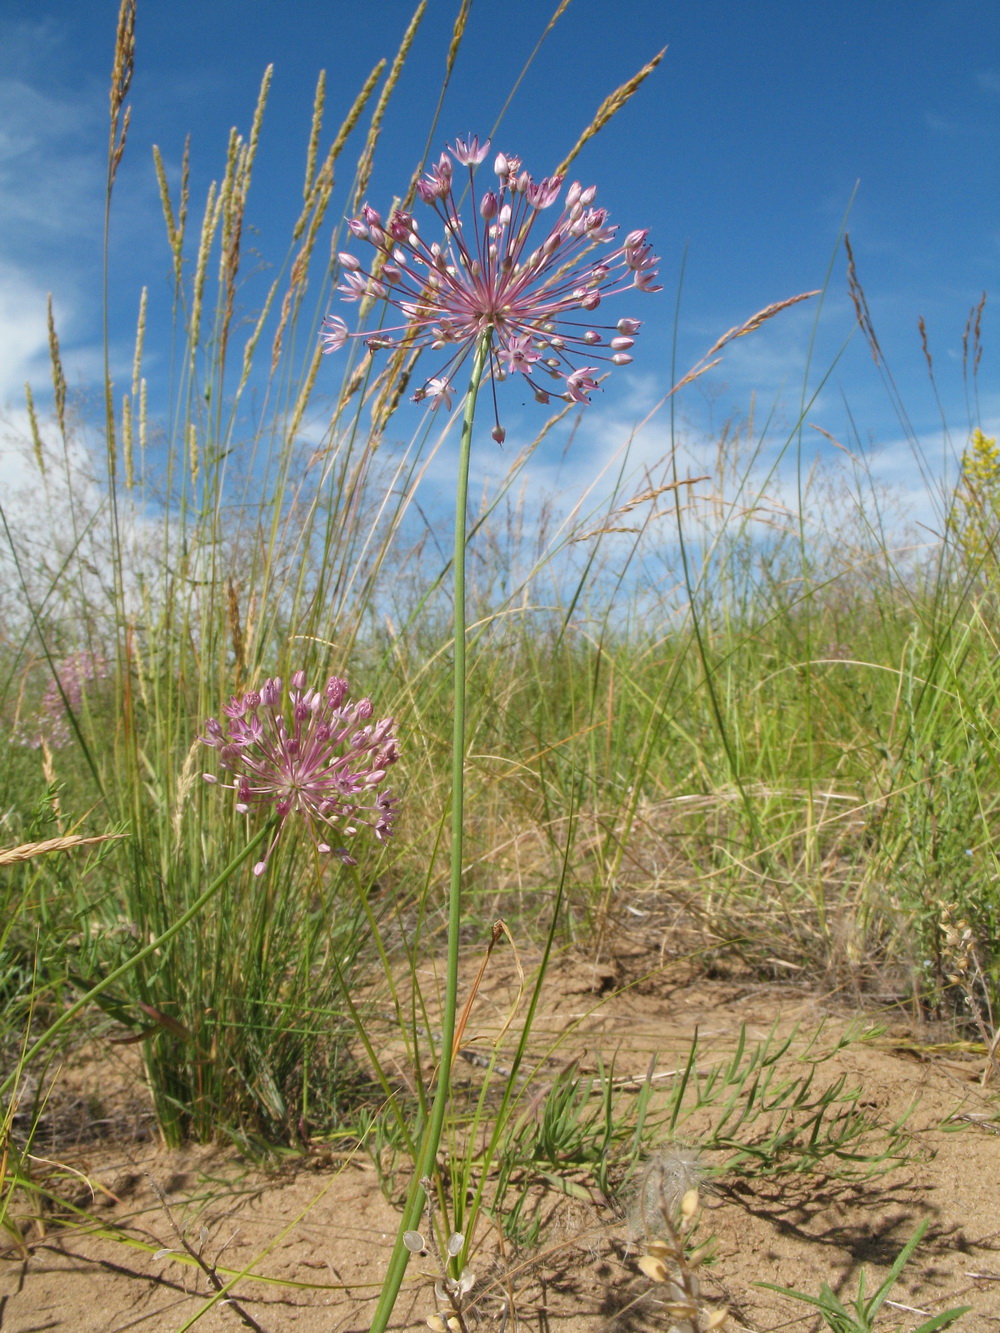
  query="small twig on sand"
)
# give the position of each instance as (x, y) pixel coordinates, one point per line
(208, 1269)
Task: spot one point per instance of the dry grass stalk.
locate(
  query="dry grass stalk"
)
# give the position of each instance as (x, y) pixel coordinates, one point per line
(305, 393)
(121, 80)
(235, 188)
(457, 33)
(27, 850)
(861, 304)
(323, 183)
(319, 102)
(49, 773)
(192, 442)
(140, 334)
(367, 159)
(755, 321)
(316, 202)
(608, 108)
(973, 325)
(186, 780)
(636, 500)
(235, 630)
(251, 343)
(58, 378)
(127, 441)
(36, 439)
(210, 221)
(557, 15)
(175, 232)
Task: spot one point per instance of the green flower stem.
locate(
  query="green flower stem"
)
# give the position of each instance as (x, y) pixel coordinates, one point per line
(414, 1206)
(69, 1014)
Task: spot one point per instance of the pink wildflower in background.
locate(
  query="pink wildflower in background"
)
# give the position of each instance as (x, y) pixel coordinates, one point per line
(323, 761)
(494, 271)
(50, 725)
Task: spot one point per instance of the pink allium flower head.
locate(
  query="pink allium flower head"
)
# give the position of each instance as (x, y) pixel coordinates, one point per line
(51, 724)
(320, 761)
(494, 272)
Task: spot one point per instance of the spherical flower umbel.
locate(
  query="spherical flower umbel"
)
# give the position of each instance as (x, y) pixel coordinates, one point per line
(321, 760)
(536, 296)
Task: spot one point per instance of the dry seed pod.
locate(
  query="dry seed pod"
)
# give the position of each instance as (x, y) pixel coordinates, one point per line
(689, 1204)
(655, 1269)
(455, 1242)
(414, 1242)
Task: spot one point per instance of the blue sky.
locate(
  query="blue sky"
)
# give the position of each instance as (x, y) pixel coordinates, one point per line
(742, 152)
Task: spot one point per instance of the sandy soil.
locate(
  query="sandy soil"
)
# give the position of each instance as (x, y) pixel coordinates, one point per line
(317, 1232)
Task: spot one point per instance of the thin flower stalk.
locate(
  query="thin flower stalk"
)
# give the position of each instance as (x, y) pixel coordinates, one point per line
(518, 306)
(424, 1166)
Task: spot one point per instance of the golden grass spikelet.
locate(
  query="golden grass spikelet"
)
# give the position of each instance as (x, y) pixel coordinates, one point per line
(922, 327)
(973, 325)
(165, 203)
(175, 231)
(121, 80)
(235, 630)
(124, 59)
(28, 850)
(861, 304)
(140, 335)
(193, 460)
(322, 186)
(127, 440)
(755, 321)
(319, 101)
(258, 117)
(367, 159)
(457, 33)
(213, 206)
(251, 343)
(58, 378)
(186, 780)
(305, 392)
(36, 439)
(610, 107)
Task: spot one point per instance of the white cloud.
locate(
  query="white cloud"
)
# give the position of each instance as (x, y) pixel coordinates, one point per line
(23, 331)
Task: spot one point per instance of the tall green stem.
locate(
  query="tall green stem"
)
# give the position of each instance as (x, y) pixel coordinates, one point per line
(69, 1014)
(431, 1140)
